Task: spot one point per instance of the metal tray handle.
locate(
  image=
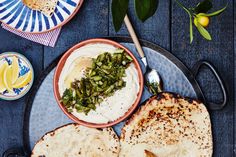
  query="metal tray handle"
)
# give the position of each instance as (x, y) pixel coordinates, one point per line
(195, 71)
(14, 152)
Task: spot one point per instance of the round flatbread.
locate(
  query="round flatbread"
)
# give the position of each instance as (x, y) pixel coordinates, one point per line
(47, 7)
(74, 140)
(168, 126)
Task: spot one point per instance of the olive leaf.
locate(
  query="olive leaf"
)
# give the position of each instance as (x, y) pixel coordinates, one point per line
(203, 7)
(191, 29)
(200, 10)
(182, 6)
(214, 13)
(145, 8)
(119, 9)
(203, 32)
(190, 19)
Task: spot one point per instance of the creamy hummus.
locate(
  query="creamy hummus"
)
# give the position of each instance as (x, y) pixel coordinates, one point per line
(112, 107)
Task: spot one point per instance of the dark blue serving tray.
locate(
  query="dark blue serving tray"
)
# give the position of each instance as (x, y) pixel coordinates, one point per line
(42, 113)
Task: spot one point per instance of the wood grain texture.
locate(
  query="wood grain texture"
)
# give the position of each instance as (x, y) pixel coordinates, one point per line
(90, 22)
(11, 112)
(155, 29)
(167, 28)
(234, 78)
(219, 51)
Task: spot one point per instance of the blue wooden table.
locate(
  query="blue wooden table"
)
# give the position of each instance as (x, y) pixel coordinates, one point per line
(167, 28)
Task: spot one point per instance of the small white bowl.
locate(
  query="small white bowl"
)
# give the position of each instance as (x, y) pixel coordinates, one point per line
(25, 66)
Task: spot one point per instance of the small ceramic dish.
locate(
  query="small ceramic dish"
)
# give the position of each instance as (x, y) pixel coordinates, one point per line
(59, 70)
(24, 68)
(16, 15)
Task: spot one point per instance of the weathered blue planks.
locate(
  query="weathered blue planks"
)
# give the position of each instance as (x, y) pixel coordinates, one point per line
(220, 52)
(90, 22)
(234, 123)
(155, 29)
(169, 29)
(11, 112)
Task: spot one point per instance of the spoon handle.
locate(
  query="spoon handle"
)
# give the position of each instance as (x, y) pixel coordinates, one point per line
(134, 36)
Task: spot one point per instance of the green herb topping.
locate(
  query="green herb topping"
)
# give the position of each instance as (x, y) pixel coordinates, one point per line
(101, 80)
(154, 87)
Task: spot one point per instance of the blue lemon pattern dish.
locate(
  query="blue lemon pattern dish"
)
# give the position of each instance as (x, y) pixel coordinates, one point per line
(16, 76)
(18, 16)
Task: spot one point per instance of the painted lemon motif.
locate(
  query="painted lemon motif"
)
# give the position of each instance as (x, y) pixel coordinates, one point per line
(2, 69)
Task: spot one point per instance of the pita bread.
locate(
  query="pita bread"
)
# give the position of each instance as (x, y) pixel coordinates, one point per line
(47, 7)
(168, 126)
(149, 154)
(74, 140)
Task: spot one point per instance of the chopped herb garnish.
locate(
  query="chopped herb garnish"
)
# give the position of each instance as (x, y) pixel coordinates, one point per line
(154, 87)
(101, 80)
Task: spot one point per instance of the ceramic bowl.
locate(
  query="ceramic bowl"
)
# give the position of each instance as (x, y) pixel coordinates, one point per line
(24, 67)
(16, 15)
(61, 65)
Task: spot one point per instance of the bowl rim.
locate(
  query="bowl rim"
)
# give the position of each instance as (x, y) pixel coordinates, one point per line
(78, 6)
(60, 66)
(19, 55)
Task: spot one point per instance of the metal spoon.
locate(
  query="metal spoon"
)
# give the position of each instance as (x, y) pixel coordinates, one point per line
(152, 78)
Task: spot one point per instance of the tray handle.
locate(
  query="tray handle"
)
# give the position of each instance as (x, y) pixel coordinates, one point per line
(14, 152)
(195, 71)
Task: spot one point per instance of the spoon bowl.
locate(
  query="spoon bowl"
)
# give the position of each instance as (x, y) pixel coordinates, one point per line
(153, 81)
(152, 78)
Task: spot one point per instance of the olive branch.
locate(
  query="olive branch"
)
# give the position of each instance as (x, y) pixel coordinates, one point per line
(146, 8)
(199, 16)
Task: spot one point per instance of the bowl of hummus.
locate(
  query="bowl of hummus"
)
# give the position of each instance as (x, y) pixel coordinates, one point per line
(98, 83)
